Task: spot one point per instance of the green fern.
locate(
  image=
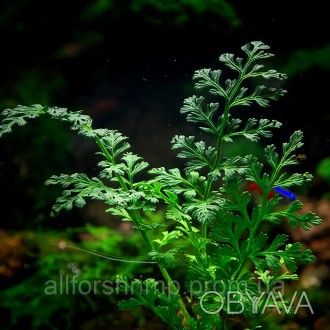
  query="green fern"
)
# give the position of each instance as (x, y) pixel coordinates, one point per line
(208, 203)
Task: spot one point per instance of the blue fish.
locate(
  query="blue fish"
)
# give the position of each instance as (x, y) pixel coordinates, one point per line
(285, 193)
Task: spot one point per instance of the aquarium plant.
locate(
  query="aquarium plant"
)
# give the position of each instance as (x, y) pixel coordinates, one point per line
(213, 229)
(323, 169)
(63, 271)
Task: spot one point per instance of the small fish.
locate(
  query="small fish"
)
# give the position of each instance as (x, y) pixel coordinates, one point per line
(283, 192)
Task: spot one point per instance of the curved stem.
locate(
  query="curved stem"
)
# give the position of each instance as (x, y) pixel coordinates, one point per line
(229, 100)
(135, 215)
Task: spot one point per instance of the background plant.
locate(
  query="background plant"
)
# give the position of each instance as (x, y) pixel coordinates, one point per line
(50, 262)
(207, 203)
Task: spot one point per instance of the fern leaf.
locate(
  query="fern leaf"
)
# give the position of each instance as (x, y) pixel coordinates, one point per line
(79, 186)
(295, 179)
(193, 107)
(232, 166)
(294, 143)
(231, 62)
(199, 155)
(256, 50)
(168, 259)
(134, 165)
(19, 116)
(208, 78)
(261, 95)
(115, 143)
(204, 211)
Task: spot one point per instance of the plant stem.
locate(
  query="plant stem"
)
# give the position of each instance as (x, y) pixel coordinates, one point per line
(260, 215)
(221, 129)
(135, 215)
(138, 220)
(252, 237)
(174, 289)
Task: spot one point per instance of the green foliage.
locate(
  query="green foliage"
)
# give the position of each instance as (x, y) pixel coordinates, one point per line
(57, 268)
(147, 294)
(207, 204)
(180, 11)
(323, 169)
(303, 60)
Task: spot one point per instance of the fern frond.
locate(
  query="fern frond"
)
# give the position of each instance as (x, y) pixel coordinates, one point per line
(193, 107)
(208, 78)
(253, 129)
(256, 50)
(294, 219)
(19, 116)
(169, 259)
(261, 95)
(204, 211)
(232, 166)
(114, 142)
(79, 186)
(200, 156)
